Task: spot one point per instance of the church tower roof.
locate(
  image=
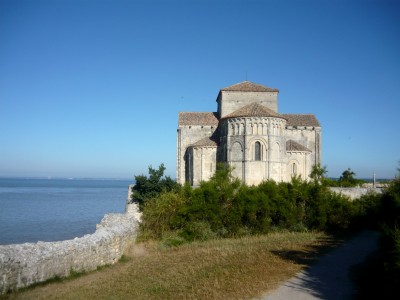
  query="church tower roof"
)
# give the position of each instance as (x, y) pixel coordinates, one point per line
(292, 146)
(198, 118)
(301, 120)
(248, 86)
(254, 110)
(205, 142)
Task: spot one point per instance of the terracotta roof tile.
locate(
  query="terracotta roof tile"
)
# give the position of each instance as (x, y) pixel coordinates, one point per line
(296, 147)
(301, 120)
(247, 86)
(253, 110)
(206, 142)
(198, 118)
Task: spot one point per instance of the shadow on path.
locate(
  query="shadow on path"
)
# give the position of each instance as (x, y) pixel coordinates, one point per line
(329, 278)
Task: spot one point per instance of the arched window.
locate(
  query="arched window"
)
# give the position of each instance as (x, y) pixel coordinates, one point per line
(236, 152)
(257, 151)
(294, 169)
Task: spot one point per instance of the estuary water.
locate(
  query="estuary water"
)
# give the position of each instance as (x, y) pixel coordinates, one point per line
(34, 210)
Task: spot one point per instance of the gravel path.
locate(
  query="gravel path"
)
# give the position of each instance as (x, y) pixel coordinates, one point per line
(329, 278)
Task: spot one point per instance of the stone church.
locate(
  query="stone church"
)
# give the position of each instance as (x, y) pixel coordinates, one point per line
(249, 134)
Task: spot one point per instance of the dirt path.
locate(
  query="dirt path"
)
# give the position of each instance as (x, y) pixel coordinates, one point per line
(329, 278)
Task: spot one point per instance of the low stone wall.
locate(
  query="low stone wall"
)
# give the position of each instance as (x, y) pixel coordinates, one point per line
(131, 207)
(22, 265)
(355, 192)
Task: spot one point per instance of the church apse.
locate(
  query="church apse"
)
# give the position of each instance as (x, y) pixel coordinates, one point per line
(249, 134)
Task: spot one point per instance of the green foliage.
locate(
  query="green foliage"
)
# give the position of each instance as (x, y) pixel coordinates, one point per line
(75, 274)
(124, 259)
(252, 211)
(160, 214)
(347, 175)
(382, 211)
(148, 187)
(318, 173)
(223, 207)
(213, 201)
(390, 225)
(367, 211)
(198, 230)
(173, 239)
(347, 179)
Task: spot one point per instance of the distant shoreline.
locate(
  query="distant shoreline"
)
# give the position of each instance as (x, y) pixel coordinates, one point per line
(64, 178)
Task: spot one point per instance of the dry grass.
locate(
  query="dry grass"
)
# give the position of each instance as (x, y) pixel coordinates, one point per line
(219, 269)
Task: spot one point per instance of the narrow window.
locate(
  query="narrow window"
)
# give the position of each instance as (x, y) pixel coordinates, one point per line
(257, 151)
(294, 169)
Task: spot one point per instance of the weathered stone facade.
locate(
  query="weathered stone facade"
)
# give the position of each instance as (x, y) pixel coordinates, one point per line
(249, 134)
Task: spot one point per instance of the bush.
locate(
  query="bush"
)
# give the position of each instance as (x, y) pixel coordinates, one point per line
(367, 211)
(220, 208)
(390, 220)
(198, 231)
(150, 187)
(223, 207)
(160, 214)
(173, 239)
(251, 213)
(382, 211)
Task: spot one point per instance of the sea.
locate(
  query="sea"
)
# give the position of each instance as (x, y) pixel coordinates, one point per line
(33, 210)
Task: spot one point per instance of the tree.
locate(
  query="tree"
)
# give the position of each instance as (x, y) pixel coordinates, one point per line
(224, 182)
(347, 179)
(151, 186)
(318, 173)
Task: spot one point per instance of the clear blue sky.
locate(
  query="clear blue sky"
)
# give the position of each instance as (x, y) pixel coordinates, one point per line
(93, 88)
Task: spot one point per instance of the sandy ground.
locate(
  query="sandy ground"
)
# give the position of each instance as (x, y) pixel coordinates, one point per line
(329, 278)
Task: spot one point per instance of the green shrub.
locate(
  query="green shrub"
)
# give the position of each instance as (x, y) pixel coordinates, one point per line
(340, 212)
(223, 207)
(160, 214)
(213, 202)
(198, 230)
(390, 224)
(148, 187)
(367, 211)
(253, 208)
(173, 239)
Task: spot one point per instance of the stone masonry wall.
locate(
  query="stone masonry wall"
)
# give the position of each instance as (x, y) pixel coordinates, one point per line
(229, 101)
(188, 136)
(22, 265)
(356, 192)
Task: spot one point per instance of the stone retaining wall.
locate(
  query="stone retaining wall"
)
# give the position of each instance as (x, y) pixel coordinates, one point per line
(356, 192)
(22, 265)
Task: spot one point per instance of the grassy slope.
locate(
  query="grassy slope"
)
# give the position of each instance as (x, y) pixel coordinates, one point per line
(218, 269)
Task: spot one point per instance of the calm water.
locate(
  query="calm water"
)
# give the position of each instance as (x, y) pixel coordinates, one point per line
(34, 210)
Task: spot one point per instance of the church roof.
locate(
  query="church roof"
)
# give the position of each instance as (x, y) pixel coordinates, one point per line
(301, 120)
(206, 142)
(294, 146)
(198, 118)
(254, 110)
(248, 86)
